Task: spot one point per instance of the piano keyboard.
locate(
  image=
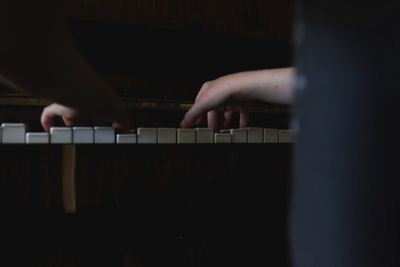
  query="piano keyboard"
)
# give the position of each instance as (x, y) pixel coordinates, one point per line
(16, 133)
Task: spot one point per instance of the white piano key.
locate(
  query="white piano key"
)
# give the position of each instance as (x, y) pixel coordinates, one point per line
(37, 138)
(82, 135)
(186, 136)
(270, 135)
(204, 135)
(126, 138)
(166, 136)
(239, 135)
(61, 135)
(222, 138)
(255, 135)
(285, 136)
(13, 133)
(104, 135)
(147, 135)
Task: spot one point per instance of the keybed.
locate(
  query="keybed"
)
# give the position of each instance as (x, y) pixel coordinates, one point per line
(17, 133)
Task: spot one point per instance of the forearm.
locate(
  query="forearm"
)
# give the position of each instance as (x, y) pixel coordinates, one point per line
(270, 85)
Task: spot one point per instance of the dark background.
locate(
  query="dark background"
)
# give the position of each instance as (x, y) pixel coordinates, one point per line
(167, 205)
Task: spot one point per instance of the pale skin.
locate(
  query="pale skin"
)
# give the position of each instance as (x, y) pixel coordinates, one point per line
(38, 55)
(219, 99)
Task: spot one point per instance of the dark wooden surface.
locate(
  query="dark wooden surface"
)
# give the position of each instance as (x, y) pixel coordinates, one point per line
(259, 18)
(167, 204)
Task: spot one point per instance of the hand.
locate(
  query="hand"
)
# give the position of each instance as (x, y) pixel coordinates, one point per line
(68, 115)
(218, 100)
(56, 110)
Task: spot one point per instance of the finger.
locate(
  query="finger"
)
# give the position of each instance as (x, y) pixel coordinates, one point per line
(228, 116)
(47, 118)
(244, 118)
(200, 120)
(195, 115)
(68, 121)
(212, 119)
(121, 125)
(202, 90)
(206, 103)
(194, 118)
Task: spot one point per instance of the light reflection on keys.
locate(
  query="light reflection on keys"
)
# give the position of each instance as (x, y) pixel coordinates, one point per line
(37, 138)
(238, 135)
(126, 138)
(13, 133)
(61, 135)
(286, 136)
(166, 136)
(271, 135)
(82, 135)
(104, 135)
(204, 136)
(255, 135)
(222, 138)
(186, 136)
(16, 134)
(147, 135)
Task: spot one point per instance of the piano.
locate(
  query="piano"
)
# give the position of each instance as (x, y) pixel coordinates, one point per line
(166, 204)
